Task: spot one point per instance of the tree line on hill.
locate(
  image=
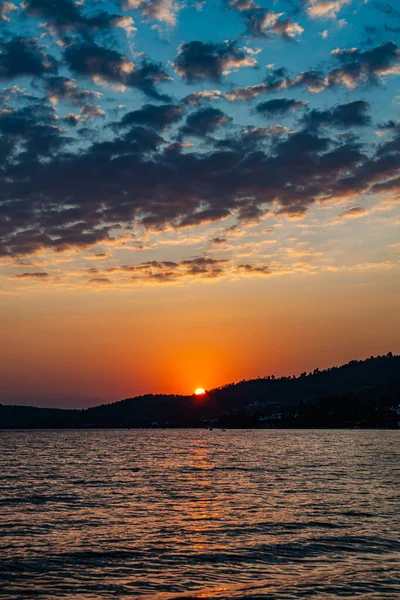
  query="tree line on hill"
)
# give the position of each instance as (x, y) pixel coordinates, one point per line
(358, 394)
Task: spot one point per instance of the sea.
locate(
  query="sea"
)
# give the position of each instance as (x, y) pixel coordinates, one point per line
(198, 513)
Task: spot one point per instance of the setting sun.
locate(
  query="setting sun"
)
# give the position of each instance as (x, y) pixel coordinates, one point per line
(199, 391)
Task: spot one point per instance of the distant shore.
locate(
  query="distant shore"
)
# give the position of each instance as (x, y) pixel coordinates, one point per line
(358, 395)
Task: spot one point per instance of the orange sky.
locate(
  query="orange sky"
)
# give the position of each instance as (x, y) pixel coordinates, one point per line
(78, 347)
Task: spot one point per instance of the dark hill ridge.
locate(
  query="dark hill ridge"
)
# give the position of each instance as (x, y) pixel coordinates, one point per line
(370, 387)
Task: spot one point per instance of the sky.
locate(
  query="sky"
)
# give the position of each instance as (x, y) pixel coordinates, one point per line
(194, 193)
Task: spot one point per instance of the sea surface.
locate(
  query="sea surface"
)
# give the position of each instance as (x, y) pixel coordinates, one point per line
(199, 514)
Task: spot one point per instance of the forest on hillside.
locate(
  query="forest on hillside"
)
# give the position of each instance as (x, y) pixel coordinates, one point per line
(361, 393)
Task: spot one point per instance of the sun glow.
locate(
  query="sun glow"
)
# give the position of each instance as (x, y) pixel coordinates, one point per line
(199, 391)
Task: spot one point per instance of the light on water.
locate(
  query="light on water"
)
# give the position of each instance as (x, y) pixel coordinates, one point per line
(199, 514)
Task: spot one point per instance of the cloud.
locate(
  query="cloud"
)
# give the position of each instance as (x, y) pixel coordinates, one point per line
(6, 8)
(387, 10)
(204, 121)
(21, 57)
(254, 269)
(99, 281)
(279, 106)
(33, 275)
(259, 133)
(198, 61)
(314, 81)
(76, 200)
(360, 67)
(352, 114)
(276, 81)
(353, 212)
(72, 119)
(62, 88)
(391, 125)
(146, 77)
(263, 23)
(104, 65)
(94, 61)
(136, 141)
(251, 137)
(325, 9)
(89, 111)
(355, 68)
(82, 170)
(198, 97)
(156, 271)
(156, 117)
(66, 16)
(158, 10)
(31, 132)
(217, 241)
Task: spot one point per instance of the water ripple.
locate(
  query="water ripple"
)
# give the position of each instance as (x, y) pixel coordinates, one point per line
(90, 515)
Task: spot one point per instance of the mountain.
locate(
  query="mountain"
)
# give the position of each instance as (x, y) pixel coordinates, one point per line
(359, 393)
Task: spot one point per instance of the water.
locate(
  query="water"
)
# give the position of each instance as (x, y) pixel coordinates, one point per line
(199, 514)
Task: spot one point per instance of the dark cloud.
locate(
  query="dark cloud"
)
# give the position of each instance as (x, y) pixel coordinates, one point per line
(72, 120)
(34, 129)
(33, 275)
(78, 200)
(138, 140)
(100, 281)
(314, 81)
(63, 88)
(352, 114)
(205, 215)
(156, 117)
(359, 67)
(89, 111)
(105, 65)
(260, 133)
(94, 61)
(21, 57)
(276, 80)
(158, 271)
(355, 68)
(198, 61)
(66, 16)
(146, 77)
(387, 9)
(354, 211)
(17, 95)
(279, 106)
(250, 138)
(263, 23)
(390, 125)
(254, 269)
(169, 271)
(204, 121)
(303, 142)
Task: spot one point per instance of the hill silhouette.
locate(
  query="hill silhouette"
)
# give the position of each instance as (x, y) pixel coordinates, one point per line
(360, 393)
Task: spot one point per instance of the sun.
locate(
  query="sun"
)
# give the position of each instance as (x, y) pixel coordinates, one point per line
(199, 391)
